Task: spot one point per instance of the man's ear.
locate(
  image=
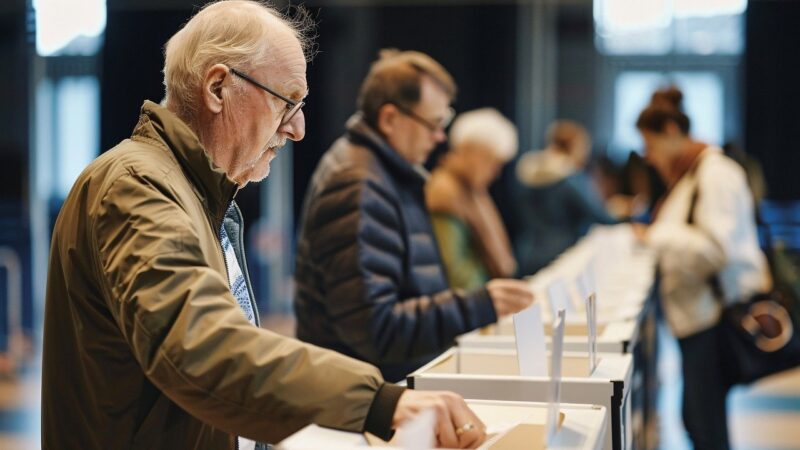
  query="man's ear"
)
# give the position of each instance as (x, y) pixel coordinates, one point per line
(215, 87)
(387, 118)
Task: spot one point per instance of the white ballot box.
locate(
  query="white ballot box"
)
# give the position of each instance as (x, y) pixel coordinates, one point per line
(614, 337)
(510, 426)
(493, 374)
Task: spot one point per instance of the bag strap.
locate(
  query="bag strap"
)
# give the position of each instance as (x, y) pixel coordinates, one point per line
(713, 280)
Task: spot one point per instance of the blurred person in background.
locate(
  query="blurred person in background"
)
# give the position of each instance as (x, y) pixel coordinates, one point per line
(151, 336)
(369, 278)
(558, 201)
(710, 190)
(472, 238)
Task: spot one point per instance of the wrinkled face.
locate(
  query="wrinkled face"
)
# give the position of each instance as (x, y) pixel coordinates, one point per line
(256, 131)
(413, 140)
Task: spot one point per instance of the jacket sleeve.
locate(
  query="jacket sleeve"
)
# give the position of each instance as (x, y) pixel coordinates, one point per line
(359, 246)
(587, 202)
(186, 331)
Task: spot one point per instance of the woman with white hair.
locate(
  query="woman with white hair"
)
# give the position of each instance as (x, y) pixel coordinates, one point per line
(472, 239)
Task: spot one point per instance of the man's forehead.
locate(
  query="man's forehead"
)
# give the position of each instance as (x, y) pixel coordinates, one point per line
(432, 95)
(287, 63)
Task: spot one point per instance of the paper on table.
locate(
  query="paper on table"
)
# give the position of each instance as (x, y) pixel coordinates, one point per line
(531, 348)
(556, 353)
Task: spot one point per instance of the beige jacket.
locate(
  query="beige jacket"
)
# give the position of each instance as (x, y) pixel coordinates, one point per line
(144, 345)
(722, 242)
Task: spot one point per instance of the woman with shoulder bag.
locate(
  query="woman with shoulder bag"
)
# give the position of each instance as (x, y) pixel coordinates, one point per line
(696, 239)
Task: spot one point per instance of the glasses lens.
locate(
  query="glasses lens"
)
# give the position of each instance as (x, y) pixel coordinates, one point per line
(292, 112)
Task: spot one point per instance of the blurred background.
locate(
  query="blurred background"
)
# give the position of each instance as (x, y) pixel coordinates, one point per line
(75, 73)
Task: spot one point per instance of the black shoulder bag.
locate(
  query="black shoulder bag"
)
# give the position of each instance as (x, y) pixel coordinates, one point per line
(761, 335)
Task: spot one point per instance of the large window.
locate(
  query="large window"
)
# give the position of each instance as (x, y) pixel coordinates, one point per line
(703, 103)
(660, 27)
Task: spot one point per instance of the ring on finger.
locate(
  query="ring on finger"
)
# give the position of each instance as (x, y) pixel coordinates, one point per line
(464, 428)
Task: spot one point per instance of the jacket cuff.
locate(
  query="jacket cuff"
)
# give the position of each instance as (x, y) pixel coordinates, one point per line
(480, 310)
(381, 412)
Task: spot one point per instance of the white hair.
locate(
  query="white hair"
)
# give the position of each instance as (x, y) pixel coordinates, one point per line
(488, 128)
(232, 32)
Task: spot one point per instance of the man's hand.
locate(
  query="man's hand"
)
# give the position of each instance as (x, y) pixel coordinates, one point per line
(509, 296)
(456, 425)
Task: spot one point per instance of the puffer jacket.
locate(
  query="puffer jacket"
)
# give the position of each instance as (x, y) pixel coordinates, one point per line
(369, 279)
(145, 346)
(558, 205)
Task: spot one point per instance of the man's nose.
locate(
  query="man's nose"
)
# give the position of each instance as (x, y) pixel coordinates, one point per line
(295, 129)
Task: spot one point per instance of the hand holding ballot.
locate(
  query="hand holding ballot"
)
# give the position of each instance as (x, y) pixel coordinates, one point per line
(509, 296)
(456, 425)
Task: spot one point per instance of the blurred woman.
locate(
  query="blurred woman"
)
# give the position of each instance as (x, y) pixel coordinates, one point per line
(703, 230)
(558, 201)
(472, 239)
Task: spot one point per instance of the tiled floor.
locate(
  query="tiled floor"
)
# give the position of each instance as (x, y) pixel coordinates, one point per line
(765, 416)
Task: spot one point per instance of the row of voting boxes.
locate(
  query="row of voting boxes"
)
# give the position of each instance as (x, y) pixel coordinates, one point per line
(511, 425)
(580, 344)
(494, 374)
(603, 284)
(612, 337)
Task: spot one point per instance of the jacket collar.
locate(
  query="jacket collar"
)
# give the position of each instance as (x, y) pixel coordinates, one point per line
(214, 187)
(360, 133)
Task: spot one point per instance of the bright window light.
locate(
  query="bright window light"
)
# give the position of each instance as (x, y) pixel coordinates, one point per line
(704, 103)
(77, 137)
(658, 27)
(620, 16)
(71, 27)
(705, 8)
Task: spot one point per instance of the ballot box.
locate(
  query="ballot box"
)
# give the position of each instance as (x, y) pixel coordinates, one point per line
(614, 337)
(510, 425)
(493, 374)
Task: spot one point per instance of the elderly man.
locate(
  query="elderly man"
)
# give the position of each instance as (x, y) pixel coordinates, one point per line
(151, 338)
(471, 235)
(370, 283)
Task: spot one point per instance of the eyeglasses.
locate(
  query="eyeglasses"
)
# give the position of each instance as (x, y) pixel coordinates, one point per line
(292, 107)
(443, 123)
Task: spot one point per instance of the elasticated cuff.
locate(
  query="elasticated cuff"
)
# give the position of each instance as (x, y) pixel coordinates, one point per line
(381, 412)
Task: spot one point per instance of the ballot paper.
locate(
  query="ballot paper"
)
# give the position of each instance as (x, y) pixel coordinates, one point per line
(556, 354)
(531, 348)
(582, 284)
(591, 322)
(559, 297)
(418, 433)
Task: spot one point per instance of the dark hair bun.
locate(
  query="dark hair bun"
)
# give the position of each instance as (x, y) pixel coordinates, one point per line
(669, 97)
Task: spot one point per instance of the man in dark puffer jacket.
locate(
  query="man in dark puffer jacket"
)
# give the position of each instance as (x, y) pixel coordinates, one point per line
(370, 282)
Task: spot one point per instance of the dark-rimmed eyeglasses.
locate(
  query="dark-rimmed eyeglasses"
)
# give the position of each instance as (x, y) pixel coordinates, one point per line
(433, 127)
(292, 107)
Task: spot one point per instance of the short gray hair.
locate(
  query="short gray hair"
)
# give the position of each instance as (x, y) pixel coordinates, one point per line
(488, 128)
(231, 32)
